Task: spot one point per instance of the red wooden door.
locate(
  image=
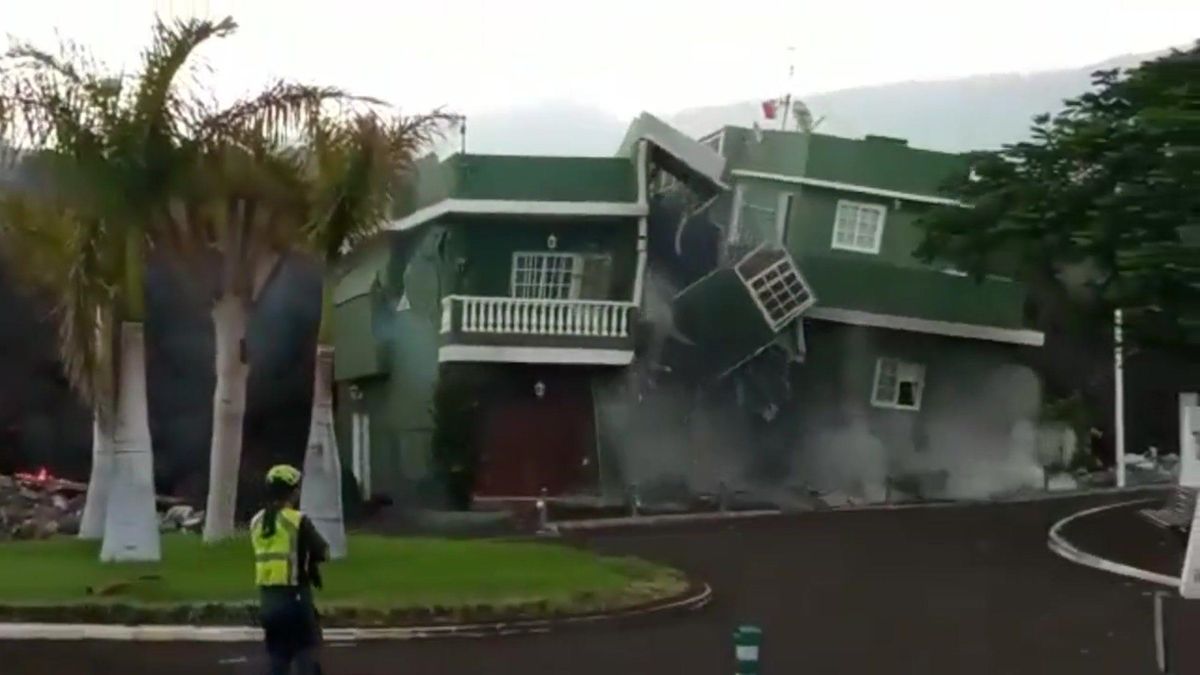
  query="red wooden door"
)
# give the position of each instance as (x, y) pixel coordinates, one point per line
(530, 443)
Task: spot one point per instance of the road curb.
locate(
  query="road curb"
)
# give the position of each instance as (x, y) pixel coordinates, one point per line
(560, 526)
(1061, 547)
(694, 599)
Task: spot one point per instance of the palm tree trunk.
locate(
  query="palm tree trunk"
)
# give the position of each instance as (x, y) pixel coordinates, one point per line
(321, 491)
(91, 524)
(130, 519)
(230, 317)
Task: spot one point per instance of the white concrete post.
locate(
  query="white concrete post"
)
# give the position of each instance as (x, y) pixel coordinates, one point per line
(1189, 475)
(1119, 395)
(1189, 444)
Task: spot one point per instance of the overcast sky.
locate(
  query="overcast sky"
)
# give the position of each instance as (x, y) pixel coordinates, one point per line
(620, 55)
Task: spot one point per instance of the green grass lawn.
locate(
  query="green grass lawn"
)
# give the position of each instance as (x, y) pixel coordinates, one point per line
(380, 573)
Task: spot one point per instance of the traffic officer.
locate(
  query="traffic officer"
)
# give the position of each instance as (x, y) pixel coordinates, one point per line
(287, 552)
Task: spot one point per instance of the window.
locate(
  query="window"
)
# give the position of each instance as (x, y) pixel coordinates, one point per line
(665, 183)
(548, 276)
(760, 216)
(776, 286)
(858, 227)
(898, 384)
(782, 214)
(715, 142)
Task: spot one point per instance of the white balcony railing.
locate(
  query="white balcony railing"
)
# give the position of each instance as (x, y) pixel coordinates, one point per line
(528, 316)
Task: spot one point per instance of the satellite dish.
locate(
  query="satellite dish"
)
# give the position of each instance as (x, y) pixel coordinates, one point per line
(804, 118)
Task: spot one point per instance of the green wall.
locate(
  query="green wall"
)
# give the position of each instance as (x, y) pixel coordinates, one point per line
(779, 152)
(810, 228)
(518, 178)
(406, 340)
(881, 163)
(486, 245)
(890, 282)
(595, 179)
(719, 313)
(976, 385)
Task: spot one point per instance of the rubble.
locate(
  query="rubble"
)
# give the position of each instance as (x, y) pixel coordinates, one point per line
(181, 518)
(40, 506)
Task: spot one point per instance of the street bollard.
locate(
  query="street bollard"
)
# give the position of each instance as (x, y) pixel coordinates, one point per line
(635, 502)
(1162, 645)
(723, 498)
(746, 643)
(543, 520)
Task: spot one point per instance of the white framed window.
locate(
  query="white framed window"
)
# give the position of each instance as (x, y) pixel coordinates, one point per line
(776, 286)
(735, 218)
(898, 384)
(715, 141)
(548, 276)
(782, 213)
(858, 226)
(760, 217)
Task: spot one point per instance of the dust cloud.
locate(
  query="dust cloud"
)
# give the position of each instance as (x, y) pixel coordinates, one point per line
(975, 437)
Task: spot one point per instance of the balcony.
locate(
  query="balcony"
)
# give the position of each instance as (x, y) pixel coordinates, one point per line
(529, 330)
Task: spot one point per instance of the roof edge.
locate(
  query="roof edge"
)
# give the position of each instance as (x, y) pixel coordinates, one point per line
(854, 317)
(515, 207)
(851, 187)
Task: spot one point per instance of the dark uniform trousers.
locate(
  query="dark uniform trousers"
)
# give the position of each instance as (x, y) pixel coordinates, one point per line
(292, 631)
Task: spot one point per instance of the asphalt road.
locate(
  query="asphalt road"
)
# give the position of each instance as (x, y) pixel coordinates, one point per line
(927, 591)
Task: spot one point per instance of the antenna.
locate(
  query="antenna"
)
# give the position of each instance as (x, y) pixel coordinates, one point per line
(787, 100)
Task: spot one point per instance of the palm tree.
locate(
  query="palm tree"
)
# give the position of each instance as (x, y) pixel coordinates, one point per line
(121, 163)
(51, 251)
(105, 151)
(251, 209)
(355, 165)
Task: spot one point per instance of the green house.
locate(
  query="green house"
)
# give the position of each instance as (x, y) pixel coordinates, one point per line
(742, 312)
(520, 275)
(901, 372)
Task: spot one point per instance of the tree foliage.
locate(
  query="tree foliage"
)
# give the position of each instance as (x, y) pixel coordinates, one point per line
(110, 163)
(1100, 209)
(98, 154)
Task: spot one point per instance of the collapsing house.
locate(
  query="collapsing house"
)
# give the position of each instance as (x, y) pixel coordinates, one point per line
(737, 314)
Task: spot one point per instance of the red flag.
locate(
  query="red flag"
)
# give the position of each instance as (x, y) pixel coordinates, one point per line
(769, 108)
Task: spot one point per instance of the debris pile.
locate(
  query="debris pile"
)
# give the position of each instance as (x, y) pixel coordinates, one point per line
(39, 506)
(181, 518)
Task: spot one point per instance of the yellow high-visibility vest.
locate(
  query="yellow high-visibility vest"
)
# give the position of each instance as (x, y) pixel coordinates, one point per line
(275, 557)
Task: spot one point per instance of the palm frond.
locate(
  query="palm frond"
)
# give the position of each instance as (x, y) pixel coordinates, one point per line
(53, 96)
(358, 165)
(50, 248)
(277, 114)
(157, 107)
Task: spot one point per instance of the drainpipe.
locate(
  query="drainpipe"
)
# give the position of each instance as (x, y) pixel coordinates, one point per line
(639, 279)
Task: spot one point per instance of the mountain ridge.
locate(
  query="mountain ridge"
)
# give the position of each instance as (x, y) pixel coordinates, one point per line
(977, 112)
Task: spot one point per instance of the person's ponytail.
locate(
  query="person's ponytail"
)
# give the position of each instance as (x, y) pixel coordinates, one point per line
(277, 496)
(270, 513)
